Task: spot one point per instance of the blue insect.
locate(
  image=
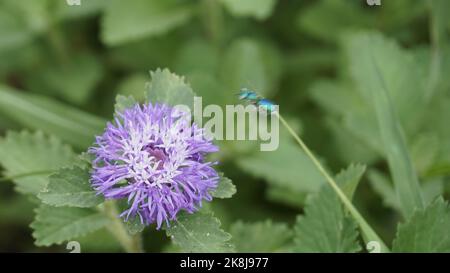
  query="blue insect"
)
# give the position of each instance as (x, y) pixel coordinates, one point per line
(266, 105)
(254, 98)
(247, 94)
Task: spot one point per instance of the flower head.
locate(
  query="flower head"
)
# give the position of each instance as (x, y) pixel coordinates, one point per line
(154, 156)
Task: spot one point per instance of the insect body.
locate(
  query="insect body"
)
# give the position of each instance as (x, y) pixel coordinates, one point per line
(266, 105)
(247, 94)
(254, 98)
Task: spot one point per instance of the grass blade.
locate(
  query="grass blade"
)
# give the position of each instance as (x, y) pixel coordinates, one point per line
(70, 124)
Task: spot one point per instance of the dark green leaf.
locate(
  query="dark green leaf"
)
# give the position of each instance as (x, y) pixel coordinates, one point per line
(141, 18)
(70, 187)
(225, 188)
(30, 158)
(54, 225)
(166, 87)
(37, 112)
(374, 67)
(349, 178)
(426, 230)
(259, 9)
(123, 103)
(199, 232)
(260, 236)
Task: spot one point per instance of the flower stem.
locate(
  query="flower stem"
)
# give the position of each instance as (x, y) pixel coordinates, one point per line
(130, 243)
(368, 233)
(213, 20)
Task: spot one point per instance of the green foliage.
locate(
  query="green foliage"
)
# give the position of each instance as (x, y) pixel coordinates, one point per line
(41, 113)
(325, 226)
(373, 69)
(88, 8)
(29, 158)
(426, 230)
(260, 236)
(53, 225)
(253, 64)
(225, 188)
(133, 86)
(123, 103)
(340, 16)
(287, 166)
(74, 81)
(98, 241)
(170, 89)
(199, 232)
(70, 187)
(20, 21)
(349, 178)
(259, 9)
(141, 18)
(366, 83)
(134, 226)
(384, 188)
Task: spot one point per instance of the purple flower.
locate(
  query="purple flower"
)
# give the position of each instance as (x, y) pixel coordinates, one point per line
(154, 156)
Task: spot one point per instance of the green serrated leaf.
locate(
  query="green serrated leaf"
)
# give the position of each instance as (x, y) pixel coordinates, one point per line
(426, 230)
(35, 154)
(259, 9)
(378, 69)
(225, 188)
(260, 236)
(355, 120)
(431, 189)
(349, 178)
(54, 225)
(381, 185)
(325, 227)
(166, 87)
(70, 187)
(134, 225)
(142, 18)
(123, 103)
(84, 160)
(199, 232)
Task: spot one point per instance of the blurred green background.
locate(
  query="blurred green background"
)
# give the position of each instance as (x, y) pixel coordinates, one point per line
(62, 64)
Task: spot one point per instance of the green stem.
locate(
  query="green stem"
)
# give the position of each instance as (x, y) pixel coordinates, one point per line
(368, 233)
(58, 44)
(131, 243)
(436, 56)
(213, 20)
